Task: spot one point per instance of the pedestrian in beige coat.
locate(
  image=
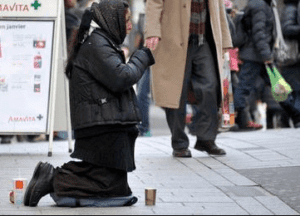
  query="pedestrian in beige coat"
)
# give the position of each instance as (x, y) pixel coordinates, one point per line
(188, 38)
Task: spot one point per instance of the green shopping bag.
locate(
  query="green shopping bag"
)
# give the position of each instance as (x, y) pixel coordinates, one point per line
(280, 88)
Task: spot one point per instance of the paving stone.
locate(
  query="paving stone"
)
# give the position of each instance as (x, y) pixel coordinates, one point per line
(199, 185)
(242, 191)
(252, 206)
(217, 208)
(235, 177)
(275, 205)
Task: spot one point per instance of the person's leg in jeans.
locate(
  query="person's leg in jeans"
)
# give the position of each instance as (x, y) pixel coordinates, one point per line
(143, 90)
(248, 75)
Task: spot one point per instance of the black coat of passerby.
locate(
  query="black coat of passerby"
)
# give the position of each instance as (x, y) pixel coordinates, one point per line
(260, 22)
(291, 30)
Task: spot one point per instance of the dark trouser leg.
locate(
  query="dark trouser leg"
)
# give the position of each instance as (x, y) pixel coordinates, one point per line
(176, 117)
(201, 73)
(292, 106)
(248, 75)
(205, 85)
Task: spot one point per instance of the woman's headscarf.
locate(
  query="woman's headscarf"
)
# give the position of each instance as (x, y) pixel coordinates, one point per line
(110, 16)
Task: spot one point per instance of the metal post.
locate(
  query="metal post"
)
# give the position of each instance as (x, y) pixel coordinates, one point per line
(54, 76)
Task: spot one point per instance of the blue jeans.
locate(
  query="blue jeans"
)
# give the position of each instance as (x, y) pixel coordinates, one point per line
(143, 90)
(248, 74)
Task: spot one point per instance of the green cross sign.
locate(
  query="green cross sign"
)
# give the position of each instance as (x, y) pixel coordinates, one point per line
(36, 5)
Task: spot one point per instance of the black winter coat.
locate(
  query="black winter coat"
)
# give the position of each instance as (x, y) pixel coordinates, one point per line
(260, 21)
(290, 23)
(291, 30)
(101, 91)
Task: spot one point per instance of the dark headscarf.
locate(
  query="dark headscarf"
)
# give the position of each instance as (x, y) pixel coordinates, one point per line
(110, 16)
(268, 2)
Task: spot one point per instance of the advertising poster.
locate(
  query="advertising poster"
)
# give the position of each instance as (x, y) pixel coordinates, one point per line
(25, 71)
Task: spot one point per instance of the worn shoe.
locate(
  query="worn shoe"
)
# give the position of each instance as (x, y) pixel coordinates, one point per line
(32, 183)
(40, 184)
(210, 147)
(185, 153)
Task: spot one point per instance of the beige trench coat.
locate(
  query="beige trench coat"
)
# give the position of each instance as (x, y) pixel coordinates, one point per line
(170, 20)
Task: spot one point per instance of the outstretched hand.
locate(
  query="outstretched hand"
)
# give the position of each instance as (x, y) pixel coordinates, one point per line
(151, 43)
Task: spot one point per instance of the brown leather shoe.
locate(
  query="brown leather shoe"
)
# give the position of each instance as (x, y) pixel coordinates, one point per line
(210, 147)
(185, 153)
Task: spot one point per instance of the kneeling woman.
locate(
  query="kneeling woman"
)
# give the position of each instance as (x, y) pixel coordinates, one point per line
(104, 114)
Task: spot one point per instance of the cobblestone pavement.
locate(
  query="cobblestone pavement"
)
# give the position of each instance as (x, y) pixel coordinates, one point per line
(199, 185)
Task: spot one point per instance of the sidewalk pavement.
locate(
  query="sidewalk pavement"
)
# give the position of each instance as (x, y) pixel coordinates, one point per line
(199, 185)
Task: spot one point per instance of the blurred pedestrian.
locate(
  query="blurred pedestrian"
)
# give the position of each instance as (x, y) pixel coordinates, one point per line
(72, 20)
(104, 114)
(188, 39)
(291, 30)
(257, 51)
(143, 86)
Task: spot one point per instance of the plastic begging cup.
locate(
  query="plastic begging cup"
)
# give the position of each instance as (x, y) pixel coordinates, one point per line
(19, 187)
(150, 196)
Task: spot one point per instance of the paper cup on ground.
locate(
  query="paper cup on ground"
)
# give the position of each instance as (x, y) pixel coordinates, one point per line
(19, 187)
(150, 196)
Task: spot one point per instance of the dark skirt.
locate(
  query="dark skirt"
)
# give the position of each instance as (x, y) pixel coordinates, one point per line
(107, 154)
(111, 147)
(85, 180)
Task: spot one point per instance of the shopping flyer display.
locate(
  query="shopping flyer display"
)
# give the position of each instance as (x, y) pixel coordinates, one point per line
(25, 72)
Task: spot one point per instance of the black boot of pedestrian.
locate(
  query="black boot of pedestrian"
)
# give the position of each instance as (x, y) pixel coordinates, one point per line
(184, 153)
(40, 184)
(210, 147)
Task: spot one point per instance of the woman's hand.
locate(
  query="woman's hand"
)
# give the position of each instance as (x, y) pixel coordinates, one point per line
(152, 43)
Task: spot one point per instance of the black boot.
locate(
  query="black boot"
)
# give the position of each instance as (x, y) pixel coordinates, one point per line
(209, 146)
(40, 184)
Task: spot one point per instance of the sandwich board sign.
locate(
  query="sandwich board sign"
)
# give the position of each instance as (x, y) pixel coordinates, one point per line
(32, 57)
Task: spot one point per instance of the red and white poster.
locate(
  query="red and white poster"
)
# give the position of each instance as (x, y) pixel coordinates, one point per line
(25, 71)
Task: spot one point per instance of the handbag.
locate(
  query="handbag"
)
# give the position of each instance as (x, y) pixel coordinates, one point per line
(280, 88)
(287, 55)
(286, 50)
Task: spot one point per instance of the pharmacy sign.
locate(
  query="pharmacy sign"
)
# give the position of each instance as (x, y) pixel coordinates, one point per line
(28, 8)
